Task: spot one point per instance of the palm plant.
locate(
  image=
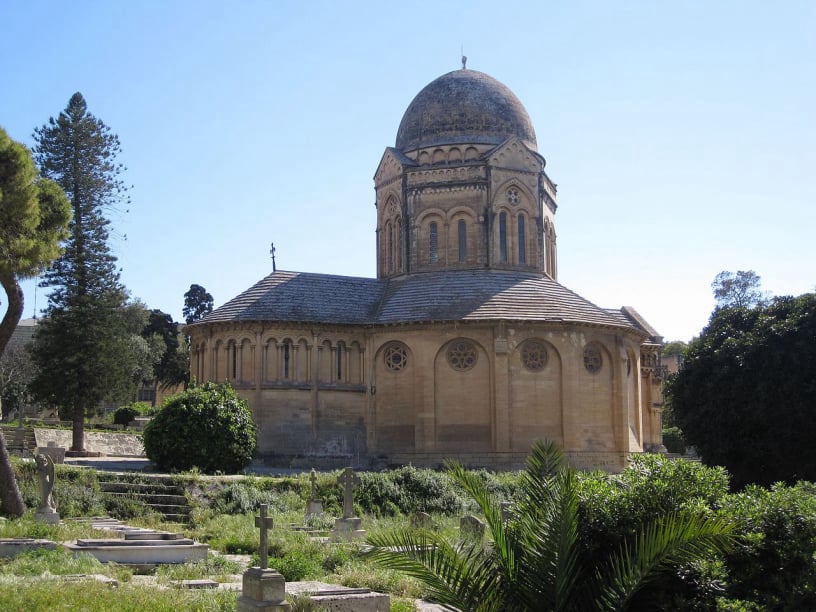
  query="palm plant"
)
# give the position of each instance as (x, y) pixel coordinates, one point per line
(533, 559)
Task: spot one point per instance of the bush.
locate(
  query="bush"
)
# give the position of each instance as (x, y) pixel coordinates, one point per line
(674, 441)
(407, 490)
(208, 427)
(124, 415)
(774, 565)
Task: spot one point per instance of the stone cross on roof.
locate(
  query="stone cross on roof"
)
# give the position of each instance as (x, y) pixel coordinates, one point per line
(349, 481)
(263, 523)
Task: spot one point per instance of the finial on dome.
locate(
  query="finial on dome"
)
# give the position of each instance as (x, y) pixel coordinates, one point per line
(464, 62)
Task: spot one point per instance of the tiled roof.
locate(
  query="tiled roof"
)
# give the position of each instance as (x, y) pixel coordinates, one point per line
(460, 295)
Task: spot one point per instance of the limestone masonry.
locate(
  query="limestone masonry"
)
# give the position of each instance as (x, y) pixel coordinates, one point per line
(465, 345)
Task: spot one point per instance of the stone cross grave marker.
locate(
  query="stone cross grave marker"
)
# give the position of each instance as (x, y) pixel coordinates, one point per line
(349, 481)
(263, 523)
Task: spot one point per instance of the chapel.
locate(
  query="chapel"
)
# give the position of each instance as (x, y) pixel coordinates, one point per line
(465, 345)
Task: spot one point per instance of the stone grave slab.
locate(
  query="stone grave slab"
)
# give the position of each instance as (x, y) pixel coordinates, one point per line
(336, 598)
(11, 547)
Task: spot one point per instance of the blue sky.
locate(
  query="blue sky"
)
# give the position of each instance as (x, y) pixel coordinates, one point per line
(682, 135)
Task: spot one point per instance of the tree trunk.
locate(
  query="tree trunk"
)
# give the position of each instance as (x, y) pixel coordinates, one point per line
(78, 437)
(10, 497)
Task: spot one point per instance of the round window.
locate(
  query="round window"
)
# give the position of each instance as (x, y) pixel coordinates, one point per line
(534, 355)
(395, 356)
(461, 355)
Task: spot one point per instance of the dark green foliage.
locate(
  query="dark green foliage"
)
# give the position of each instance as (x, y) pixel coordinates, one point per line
(197, 303)
(774, 566)
(673, 440)
(174, 367)
(535, 561)
(208, 427)
(83, 346)
(746, 393)
(407, 490)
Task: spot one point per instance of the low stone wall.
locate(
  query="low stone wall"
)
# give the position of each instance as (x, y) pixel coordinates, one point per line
(109, 444)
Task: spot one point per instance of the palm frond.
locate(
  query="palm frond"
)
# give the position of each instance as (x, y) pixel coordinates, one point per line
(459, 576)
(658, 547)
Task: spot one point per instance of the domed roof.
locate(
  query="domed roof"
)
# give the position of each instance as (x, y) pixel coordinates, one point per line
(464, 107)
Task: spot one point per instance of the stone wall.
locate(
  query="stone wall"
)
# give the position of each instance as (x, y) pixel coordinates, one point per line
(109, 444)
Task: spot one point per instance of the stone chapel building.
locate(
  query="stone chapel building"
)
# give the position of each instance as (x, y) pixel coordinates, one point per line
(465, 345)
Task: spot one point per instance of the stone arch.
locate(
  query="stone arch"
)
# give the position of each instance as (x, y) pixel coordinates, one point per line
(471, 154)
(395, 396)
(459, 425)
(439, 156)
(536, 394)
(424, 158)
(271, 360)
(455, 216)
(432, 240)
(455, 155)
(593, 427)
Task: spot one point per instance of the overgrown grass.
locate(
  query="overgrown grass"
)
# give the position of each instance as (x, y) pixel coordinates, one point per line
(25, 595)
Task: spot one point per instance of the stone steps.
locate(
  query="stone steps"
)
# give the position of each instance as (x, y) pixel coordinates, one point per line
(12, 444)
(165, 498)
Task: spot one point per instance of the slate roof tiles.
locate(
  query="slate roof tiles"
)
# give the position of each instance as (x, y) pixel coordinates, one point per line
(461, 295)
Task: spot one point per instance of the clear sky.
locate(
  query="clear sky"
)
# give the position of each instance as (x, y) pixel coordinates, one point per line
(682, 135)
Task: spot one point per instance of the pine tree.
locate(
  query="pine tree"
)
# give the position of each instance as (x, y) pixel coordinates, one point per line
(82, 346)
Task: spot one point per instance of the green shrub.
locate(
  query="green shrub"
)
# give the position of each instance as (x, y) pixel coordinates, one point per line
(208, 427)
(407, 490)
(774, 565)
(674, 441)
(124, 415)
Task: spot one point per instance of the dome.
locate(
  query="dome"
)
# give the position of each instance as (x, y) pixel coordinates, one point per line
(464, 107)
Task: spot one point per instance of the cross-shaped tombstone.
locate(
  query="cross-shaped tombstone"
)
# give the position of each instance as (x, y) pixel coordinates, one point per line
(349, 481)
(263, 523)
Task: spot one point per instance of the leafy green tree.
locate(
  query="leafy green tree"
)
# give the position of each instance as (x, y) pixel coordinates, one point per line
(533, 559)
(34, 215)
(83, 347)
(746, 392)
(208, 427)
(740, 289)
(197, 303)
(174, 367)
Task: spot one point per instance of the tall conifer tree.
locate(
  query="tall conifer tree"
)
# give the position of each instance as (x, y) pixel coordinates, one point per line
(83, 344)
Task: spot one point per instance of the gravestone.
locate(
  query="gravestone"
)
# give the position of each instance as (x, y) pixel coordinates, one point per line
(349, 526)
(422, 520)
(314, 505)
(263, 588)
(47, 512)
(471, 527)
(57, 453)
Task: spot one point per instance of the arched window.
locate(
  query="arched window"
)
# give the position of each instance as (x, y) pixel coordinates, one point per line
(287, 359)
(433, 246)
(462, 228)
(522, 243)
(233, 361)
(503, 237)
(340, 351)
(399, 245)
(390, 248)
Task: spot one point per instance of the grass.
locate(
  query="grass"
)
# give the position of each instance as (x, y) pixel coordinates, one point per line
(51, 593)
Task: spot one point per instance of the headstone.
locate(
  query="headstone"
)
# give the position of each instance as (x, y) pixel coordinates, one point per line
(57, 453)
(348, 527)
(421, 520)
(47, 512)
(263, 588)
(471, 527)
(314, 505)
